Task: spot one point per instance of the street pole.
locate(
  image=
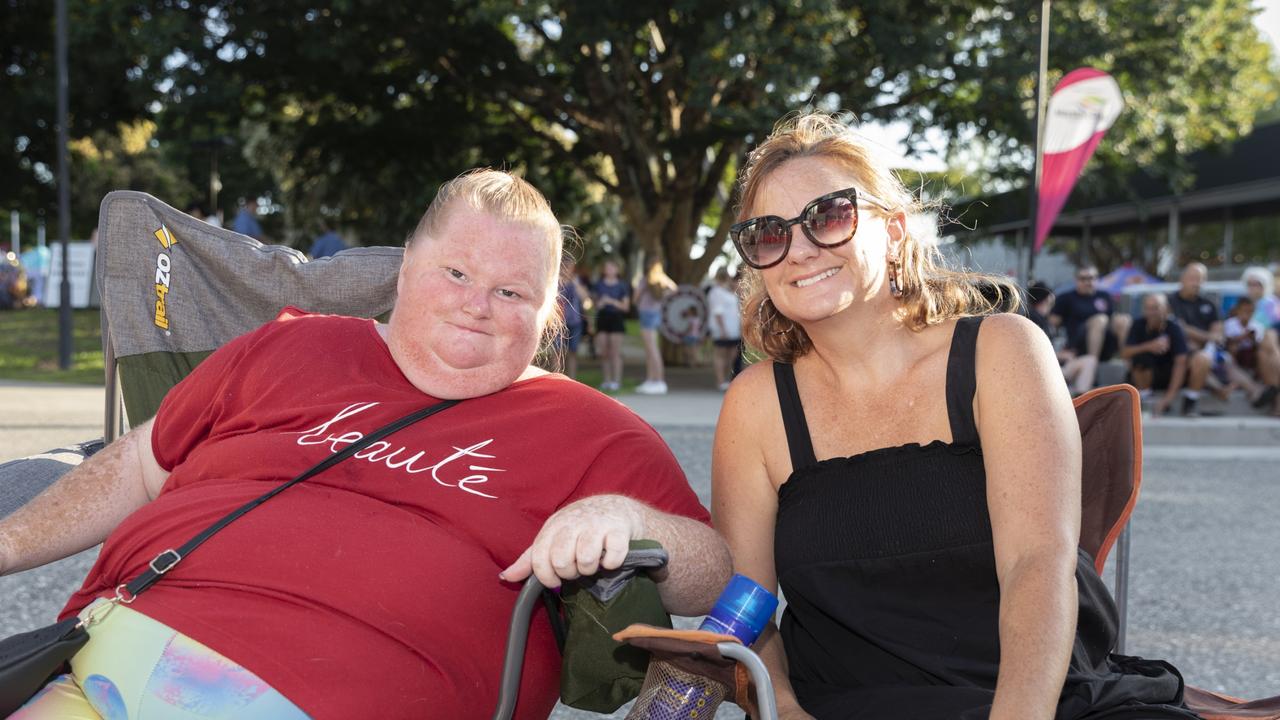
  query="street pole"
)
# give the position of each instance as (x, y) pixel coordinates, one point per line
(15, 232)
(64, 194)
(1037, 170)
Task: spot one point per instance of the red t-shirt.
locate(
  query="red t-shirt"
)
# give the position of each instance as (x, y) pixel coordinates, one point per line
(371, 589)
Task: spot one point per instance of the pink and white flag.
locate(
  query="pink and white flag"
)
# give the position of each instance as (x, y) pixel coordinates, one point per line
(1083, 105)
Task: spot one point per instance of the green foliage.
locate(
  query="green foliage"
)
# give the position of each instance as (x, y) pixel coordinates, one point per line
(128, 159)
(111, 71)
(632, 117)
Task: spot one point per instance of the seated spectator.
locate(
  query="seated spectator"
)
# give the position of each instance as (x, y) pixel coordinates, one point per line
(1242, 333)
(1157, 351)
(1260, 286)
(1080, 371)
(382, 586)
(1196, 313)
(1093, 327)
(1254, 347)
(1198, 316)
(1269, 372)
(905, 464)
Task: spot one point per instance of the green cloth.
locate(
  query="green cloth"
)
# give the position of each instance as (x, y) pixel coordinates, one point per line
(145, 379)
(598, 673)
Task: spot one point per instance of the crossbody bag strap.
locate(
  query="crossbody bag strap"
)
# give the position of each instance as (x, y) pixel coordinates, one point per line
(167, 560)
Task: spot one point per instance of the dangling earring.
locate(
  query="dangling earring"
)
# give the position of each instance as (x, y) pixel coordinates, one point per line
(895, 269)
(773, 316)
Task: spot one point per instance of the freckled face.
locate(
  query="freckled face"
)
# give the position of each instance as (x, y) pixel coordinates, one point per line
(473, 301)
(812, 282)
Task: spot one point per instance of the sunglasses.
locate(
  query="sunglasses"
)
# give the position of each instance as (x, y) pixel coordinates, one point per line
(829, 221)
(1086, 277)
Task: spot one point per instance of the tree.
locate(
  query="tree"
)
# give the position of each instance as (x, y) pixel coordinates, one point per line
(358, 110)
(128, 159)
(661, 102)
(115, 51)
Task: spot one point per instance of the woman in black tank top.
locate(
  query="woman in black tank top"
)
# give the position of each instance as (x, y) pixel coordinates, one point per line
(915, 490)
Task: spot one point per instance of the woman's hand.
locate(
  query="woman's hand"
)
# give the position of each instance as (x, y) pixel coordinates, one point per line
(581, 539)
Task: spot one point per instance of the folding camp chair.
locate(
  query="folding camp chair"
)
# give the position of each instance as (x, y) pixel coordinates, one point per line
(174, 289)
(1111, 473)
(1110, 421)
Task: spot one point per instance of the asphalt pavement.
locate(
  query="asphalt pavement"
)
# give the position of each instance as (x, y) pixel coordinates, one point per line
(1205, 535)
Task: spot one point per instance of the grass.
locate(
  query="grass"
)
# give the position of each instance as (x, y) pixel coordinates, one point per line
(29, 347)
(592, 376)
(29, 350)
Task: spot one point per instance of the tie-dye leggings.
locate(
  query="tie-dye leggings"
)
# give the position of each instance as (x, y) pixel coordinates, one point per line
(136, 668)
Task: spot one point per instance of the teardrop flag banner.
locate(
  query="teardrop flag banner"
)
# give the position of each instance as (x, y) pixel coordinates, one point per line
(1081, 108)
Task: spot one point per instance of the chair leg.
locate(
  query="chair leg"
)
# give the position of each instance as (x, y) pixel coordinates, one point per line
(1122, 585)
(526, 602)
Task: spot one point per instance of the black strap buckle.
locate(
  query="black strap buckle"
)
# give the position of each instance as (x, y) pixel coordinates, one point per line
(171, 557)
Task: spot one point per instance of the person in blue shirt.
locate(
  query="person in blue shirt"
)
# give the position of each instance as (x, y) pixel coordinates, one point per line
(1157, 349)
(327, 243)
(612, 296)
(36, 261)
(246, 221)
(573, 300)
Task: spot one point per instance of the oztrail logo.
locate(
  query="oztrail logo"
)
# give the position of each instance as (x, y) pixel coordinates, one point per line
(163, 267)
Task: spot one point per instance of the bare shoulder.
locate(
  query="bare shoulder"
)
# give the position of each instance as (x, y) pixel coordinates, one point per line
(750, 406)
(756, 377)
(1010, 331)
(1016, 369)
(751, 392)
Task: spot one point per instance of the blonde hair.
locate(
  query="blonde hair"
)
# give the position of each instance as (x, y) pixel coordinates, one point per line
(656, 280)
(511, 199)
(931, 293)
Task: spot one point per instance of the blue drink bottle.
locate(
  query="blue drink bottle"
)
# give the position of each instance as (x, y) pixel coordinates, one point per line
(743, 610)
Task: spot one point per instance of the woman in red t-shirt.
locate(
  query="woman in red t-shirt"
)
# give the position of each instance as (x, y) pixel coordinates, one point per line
(379, 587)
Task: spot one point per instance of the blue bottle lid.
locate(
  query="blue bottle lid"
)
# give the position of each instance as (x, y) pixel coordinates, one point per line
(743, 610)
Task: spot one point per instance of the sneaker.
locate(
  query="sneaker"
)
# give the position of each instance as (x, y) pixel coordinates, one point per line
(1266, 397)
(652, 387)
(1189, 407)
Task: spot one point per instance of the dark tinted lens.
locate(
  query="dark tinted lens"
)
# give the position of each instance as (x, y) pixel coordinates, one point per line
(761, 242)
(831, 221)
(773, 241)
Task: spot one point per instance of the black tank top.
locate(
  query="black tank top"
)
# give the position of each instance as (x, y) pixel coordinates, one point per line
(887, 565)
